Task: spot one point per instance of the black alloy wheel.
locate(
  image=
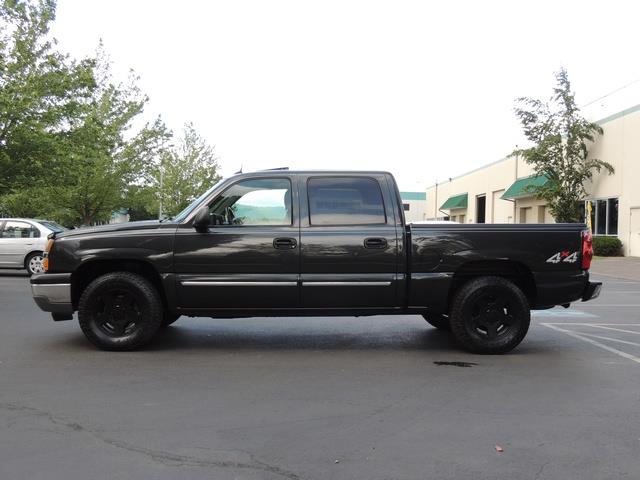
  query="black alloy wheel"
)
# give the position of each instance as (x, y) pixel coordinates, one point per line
(120, 311)
(490, 315)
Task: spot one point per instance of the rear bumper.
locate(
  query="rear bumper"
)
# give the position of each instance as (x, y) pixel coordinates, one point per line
(591, 291)
(52, 292)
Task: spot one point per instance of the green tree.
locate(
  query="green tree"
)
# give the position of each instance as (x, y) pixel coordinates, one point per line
(185, 171)
(41, 94)
(561, 138)
(100, 163)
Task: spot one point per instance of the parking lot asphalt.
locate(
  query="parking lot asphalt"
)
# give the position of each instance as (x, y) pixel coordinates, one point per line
(322, 398)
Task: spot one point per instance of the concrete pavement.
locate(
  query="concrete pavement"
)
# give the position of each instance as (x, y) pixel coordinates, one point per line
(617, 267)
(322, 398)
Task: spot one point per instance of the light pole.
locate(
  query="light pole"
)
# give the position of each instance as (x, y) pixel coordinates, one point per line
(161, 184)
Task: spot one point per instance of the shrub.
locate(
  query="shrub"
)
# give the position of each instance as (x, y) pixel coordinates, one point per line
(607, 246)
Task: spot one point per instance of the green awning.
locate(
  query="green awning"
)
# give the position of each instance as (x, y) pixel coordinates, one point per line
(457, 201)
(525, 187)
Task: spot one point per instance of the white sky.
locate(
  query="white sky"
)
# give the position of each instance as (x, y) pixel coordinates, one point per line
(423, 89)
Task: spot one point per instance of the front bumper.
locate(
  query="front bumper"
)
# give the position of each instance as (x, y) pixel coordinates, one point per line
(52, 292)
(591, 291)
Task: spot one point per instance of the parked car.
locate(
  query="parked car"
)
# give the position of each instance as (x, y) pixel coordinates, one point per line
(22, 242)
(283, 243)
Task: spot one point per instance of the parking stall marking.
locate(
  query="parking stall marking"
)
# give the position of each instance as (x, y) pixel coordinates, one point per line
(554, 313)
(616, 340)
(584, 338)
(604, 327)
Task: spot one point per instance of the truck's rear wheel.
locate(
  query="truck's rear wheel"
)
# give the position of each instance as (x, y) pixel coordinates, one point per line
(440, 321)
(490, 315)
(120, 311)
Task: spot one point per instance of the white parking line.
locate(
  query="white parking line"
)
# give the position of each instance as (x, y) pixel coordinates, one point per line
(609, 305)
(620, 353)
(591, 335)
(562, 313)
(614, 329)
(582, 323)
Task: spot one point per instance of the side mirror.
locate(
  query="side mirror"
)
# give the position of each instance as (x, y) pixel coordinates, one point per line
(201, 221)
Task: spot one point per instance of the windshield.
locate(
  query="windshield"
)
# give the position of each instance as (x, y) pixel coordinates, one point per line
(53, 226)
(183, 214)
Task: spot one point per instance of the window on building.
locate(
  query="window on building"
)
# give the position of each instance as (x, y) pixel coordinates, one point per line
(345, 201)
(523, 214)
(541, 213)
(406, 207)
(481, 208)
(604, 216)
(612, 216)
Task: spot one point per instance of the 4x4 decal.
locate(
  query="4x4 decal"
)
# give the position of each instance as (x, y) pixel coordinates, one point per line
(564, 256)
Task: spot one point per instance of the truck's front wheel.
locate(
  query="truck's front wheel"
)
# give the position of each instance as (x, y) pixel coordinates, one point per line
(489, 315)
(120, 311)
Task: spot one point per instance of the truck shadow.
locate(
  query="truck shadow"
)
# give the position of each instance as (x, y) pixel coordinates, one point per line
(13, 273)
(183, 338)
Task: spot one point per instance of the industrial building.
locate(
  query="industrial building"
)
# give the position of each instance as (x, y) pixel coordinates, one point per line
(499, 193)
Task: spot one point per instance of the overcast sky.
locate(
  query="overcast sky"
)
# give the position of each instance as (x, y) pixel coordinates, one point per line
(423, 89)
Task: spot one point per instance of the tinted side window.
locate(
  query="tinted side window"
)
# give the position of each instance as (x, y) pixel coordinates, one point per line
(264, 201)
(345, 201)
(19, 230)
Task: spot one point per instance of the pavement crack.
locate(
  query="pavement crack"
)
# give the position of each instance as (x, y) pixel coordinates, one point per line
(161, 456)
(539, 472)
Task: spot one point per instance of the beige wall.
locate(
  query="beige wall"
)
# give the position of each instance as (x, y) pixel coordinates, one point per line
(491, 181)
(619, 145)
(417, 210)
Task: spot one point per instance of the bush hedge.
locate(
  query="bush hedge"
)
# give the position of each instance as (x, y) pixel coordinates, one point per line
(607, 246)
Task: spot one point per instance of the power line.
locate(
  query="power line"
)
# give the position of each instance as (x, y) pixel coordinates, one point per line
(611, 93)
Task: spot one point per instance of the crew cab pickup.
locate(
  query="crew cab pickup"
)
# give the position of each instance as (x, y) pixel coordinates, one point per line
(297, 243)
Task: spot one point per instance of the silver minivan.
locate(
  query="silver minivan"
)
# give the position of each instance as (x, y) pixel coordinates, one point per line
(22, 241)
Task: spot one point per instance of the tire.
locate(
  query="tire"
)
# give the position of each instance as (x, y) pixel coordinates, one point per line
(489, 315)
(33, 263)
(120, 311)
(439, 321)
(169, 318)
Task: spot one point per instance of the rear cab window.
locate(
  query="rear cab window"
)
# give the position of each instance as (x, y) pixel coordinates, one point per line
(345, 200)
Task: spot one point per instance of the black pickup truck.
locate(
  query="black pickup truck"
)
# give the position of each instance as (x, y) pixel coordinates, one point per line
(285, 243)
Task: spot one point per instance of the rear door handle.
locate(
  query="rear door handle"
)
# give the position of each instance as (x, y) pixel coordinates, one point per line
(285, 243)
(375, 242)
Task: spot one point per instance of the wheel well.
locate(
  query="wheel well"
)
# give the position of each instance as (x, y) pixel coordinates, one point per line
(516, 272)
(26, 257)
(89, 271)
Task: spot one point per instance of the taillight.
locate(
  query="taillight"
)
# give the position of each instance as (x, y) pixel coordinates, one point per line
(587, 249)
(45, 259)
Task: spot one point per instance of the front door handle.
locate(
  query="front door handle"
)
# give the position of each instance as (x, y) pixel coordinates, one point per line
(285, 243)
(375, 242)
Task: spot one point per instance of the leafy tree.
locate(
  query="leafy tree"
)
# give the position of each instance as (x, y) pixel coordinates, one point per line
(561, 137)
(185, 171)
(69, 146)
(41, 94)
(99, 162)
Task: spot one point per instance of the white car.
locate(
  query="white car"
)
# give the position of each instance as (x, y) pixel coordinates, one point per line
(22, 241)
